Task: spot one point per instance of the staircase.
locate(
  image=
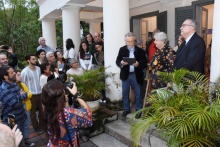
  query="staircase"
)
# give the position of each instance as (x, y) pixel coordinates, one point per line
(117, 134)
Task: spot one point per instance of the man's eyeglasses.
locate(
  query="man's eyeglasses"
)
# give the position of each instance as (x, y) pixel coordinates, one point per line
(183, 25)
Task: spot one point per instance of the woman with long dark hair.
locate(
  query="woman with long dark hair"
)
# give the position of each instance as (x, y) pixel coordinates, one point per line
(70, 49)
(89, 39)
(85, 57)
(59, 57)
(63, 120)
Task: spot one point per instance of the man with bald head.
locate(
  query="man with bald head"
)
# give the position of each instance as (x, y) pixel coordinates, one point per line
(191, 53)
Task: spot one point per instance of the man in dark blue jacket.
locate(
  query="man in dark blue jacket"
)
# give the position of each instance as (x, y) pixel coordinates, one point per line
(131, 74)
(191, 53)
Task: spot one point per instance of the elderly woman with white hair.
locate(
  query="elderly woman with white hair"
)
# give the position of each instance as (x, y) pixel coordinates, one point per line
(163, 59)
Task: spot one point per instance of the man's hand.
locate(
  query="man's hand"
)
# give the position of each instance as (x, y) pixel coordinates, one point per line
(124, 63)
(22, 92)
(10, 50)
(135, 64)
(74, 90)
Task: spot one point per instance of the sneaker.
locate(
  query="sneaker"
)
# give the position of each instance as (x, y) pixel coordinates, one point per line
(125, 113)
(28, 142)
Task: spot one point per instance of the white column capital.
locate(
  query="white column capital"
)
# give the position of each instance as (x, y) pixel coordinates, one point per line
(72, 7)
(39, 2)
(47, 19)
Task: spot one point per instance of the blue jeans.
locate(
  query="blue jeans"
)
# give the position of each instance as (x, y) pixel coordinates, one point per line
(21, 127)
(131, 81)
(25, 133)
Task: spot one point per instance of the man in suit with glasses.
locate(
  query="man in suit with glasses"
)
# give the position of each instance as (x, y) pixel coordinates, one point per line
(191, 53)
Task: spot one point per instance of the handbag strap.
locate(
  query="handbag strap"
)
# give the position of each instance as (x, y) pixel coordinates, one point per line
(67, 130)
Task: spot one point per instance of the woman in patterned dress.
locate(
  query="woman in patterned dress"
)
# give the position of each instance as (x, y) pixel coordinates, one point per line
(56, 105)
(162, 60)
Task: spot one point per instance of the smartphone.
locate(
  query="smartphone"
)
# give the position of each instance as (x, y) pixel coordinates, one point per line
(11, 121)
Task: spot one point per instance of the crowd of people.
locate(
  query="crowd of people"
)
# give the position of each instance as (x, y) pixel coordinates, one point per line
(35, 94)
(24, 96)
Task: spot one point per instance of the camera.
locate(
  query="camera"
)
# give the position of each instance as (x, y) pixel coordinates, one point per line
(62, 77)
(5, 47)
(11, 121)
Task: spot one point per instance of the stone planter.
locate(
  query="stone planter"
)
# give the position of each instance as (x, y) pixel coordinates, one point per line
(94, 105)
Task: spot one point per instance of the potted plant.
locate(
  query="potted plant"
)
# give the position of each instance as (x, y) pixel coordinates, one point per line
(186, 111)
(90, 85)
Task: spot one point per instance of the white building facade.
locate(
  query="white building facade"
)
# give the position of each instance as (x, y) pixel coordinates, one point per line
(138, 16)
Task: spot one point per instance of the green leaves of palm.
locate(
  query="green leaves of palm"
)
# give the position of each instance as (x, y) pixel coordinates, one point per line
(185, 112)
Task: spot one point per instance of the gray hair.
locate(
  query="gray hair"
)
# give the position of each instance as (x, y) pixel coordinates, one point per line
(71, 61)
(138, 42)
(129, 34)
(48, 54)
(193, 23)
(162, 37)
(41, 38)
(3, 53)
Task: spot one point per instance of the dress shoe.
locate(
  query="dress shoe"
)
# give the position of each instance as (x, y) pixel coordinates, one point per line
(138, 115)
(125, 113)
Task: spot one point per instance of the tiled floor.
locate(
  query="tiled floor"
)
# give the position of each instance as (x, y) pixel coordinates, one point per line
(39, 140)
(42, 140)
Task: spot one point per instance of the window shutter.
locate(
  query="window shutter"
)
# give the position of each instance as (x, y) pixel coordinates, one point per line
(162, 21)
(182, 14)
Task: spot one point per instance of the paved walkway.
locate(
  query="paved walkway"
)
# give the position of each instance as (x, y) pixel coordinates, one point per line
(42, 140)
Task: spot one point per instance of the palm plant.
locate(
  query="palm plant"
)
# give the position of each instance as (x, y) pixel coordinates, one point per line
(186, 111)
(91, 83)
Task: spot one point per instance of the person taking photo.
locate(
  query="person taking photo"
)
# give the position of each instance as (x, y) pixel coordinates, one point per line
(64, 121)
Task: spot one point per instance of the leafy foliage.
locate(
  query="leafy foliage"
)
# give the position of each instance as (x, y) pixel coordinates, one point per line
(187, 111)
(90, 83)
(19, 26)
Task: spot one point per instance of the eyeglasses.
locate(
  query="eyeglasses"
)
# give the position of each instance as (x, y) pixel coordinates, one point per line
(183, 25)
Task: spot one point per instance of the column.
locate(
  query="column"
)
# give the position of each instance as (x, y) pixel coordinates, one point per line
(215, 51)
(94, 27)
(71, 25)
(116, 25)
(49, 32)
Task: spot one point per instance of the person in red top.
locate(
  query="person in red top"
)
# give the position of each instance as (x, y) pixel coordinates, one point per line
(151, 47)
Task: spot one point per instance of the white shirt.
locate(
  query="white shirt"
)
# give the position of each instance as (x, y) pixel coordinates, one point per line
(69, 53)
(187, 39)
(86, 64)
(78, 71)
(32, 79)
(43, 80)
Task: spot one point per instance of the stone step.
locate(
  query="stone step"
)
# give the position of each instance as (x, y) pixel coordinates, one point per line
(105, 140)
(121, 131)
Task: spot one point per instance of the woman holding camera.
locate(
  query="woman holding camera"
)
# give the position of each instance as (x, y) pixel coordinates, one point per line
(63, 121)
